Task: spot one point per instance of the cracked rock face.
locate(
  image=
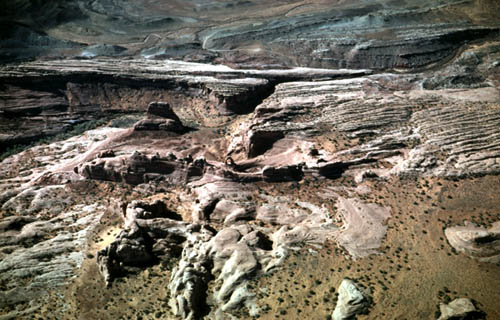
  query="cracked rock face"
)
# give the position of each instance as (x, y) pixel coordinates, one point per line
(233, 160)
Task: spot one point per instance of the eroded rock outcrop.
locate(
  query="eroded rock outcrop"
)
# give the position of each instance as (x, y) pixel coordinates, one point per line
(352, 301)
(406, 129)
(138, 168)
(274, 162)
(475, 241)
(231, 256)
(42, 99)
(461, 308)
(40, 255)
(160, 116)
(152, 233)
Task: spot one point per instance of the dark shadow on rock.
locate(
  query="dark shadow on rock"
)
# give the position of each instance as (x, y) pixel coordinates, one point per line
(261, 141)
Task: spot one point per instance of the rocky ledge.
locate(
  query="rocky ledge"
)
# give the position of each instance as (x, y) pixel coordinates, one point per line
(43, 99)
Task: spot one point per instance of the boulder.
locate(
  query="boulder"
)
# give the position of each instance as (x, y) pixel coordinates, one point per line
(461, 308)
(284, 173)
(352, 301)
(159, 125)
(475, 241)
(160, 117)
(163, 110)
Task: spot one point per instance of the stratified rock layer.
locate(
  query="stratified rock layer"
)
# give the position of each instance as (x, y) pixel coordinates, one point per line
(251, 34)
(226, 174)
(42, 99)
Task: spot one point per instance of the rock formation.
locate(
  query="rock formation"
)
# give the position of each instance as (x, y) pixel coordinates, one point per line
(352, 301)
(217, 159)
(461, 308)
(293, 33)
(475, 241)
